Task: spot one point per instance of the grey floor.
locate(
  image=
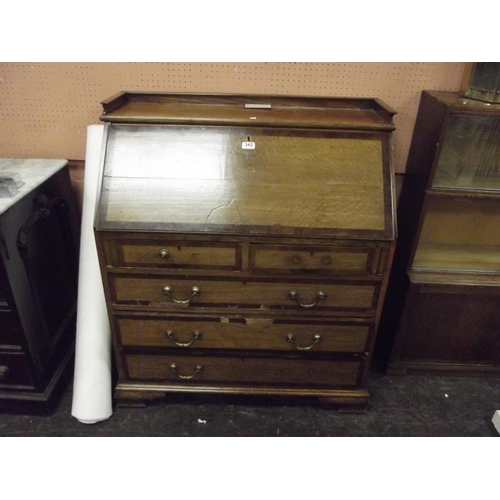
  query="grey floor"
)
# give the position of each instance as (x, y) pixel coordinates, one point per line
(427, 406)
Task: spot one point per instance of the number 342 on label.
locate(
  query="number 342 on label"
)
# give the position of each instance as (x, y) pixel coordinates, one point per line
(247, 145)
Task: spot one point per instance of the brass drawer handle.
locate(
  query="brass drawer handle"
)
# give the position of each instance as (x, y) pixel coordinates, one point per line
(316, 340)
(170, 335)
(175, 369)
(164, 253)
(292, 294)
(195, 292)
(3, 373)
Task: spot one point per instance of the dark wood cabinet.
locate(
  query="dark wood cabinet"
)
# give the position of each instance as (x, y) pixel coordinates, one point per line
(444, 295)
(451, 327)
(38, 285)
(245, 243)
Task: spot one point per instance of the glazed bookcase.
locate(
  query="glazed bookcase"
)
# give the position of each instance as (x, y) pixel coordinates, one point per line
(451, 243)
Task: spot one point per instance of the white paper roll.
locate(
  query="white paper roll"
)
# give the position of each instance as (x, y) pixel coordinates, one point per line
(496, 420)
(92, 385)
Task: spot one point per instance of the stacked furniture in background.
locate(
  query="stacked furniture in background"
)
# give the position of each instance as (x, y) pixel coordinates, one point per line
(445, 284)
(39, 228)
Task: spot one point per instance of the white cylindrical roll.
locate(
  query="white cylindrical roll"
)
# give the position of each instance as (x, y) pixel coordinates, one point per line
(92, 385)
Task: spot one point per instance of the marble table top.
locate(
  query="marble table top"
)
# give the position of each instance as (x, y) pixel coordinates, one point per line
(33, 172)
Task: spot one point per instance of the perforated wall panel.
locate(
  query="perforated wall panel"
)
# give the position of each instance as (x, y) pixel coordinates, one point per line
(46, 107)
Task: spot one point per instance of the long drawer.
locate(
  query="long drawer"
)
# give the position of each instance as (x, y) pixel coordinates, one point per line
(171, 292)
(243, 333)
(223, 369)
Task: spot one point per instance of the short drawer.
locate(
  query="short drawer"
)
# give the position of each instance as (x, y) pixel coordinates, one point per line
(243, 333)
(198, 293)
(15, 371)
(179, 254)
(223, 369)
(355, 260)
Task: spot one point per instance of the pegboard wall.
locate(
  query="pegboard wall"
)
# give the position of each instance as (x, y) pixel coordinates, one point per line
(45, 108)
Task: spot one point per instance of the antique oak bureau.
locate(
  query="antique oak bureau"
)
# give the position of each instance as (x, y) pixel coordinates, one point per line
(245, 243)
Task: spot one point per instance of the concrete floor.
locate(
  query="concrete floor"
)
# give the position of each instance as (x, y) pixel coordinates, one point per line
(431, 406)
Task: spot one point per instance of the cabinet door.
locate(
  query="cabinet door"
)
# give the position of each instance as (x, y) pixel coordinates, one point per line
(450, 324)
(10, 328)
(47, 248)
(459, 234)
(470, 154)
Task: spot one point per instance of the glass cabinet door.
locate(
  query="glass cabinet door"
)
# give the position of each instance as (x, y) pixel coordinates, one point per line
(459, 234)
(470, 154)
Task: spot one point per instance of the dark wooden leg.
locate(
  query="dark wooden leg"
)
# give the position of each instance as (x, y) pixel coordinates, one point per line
(135, 399)
(131, 403)
(352, 409)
